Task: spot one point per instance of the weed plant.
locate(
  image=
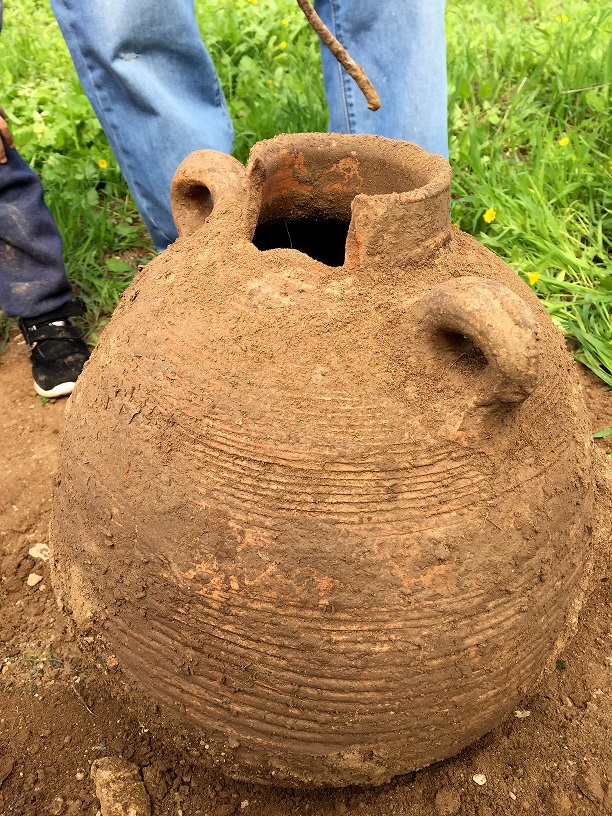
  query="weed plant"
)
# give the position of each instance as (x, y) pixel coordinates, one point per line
(530, 140)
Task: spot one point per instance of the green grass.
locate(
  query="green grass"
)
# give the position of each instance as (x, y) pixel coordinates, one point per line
(531, 138)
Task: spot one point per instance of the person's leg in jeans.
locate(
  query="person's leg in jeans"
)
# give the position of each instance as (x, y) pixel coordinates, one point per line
(32, 274)
(401, 46)
(154, 89)
(33, 282)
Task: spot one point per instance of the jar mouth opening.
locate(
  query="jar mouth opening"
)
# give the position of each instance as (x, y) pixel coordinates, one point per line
(302, 187)
(322, 239)
(319, 175)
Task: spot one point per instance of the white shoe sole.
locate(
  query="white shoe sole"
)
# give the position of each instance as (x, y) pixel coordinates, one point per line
(61, 390)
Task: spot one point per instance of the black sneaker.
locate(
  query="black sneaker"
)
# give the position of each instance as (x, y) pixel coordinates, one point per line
(58, 352)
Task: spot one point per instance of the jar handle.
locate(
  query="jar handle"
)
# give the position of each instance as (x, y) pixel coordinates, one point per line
(207, 182)
(499, 323)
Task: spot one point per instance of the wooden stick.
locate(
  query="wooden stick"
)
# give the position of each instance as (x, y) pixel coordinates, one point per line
(342, 55)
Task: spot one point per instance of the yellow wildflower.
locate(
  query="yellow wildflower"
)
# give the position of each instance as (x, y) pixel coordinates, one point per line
(562, 18)
(490, 215)
(103, 163)
(456, 226)
(270, 82)
(254, 2)
(283, 44)
(533, 278)
(284, 22)
(564, 141)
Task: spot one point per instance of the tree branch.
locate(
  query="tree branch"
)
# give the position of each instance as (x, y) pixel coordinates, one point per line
(342, 55)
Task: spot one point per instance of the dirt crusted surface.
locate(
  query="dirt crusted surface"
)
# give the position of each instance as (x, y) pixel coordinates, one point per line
(58, 717)
(319, 524)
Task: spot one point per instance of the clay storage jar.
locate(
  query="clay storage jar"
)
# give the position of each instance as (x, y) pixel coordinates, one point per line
(325, 487)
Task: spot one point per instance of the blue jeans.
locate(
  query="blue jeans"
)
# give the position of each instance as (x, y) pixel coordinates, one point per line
(156, 93)
(32, 275)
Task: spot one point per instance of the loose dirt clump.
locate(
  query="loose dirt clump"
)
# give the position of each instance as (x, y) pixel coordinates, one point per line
(58, 717)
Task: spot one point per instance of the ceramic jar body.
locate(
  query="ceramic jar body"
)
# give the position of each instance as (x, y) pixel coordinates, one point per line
(310, 509)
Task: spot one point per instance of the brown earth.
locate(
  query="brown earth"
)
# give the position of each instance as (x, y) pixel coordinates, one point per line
(57, 715)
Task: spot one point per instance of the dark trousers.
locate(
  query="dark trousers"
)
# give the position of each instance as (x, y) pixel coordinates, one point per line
(32, 275)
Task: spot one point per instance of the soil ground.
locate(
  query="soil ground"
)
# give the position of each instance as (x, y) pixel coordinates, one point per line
(57, 715)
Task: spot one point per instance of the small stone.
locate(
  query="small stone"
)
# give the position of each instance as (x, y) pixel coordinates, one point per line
(340, 808)
(111, 662)
(33, 579)
(522, 714)
(480, 779)
(56, 807)
(119, 788)
(244, 804)
(447, 802)
(39, 551)
(590, 785)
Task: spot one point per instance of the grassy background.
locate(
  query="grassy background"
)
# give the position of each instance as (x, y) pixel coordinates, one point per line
(529, 115)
